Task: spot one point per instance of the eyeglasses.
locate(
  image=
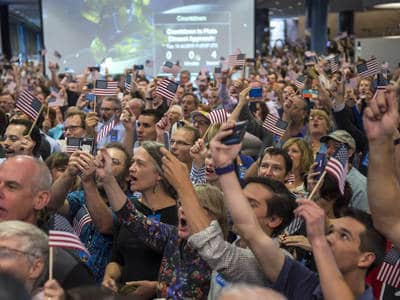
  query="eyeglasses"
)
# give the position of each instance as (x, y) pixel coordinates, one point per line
(107, 109)
(6, 252)
(179, 143)
(72, 127)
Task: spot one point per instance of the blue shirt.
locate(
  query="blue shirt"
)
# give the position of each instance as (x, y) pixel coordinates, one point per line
(99, 245)
(115, 135)
(298, 282)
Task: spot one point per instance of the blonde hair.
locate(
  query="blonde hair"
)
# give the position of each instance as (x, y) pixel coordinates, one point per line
(324, 114)
(307, 156)
(212, 199)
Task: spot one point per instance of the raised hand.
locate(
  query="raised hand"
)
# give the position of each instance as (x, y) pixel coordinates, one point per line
(222, 154)
(103, 163)
(198, 153)
(381, 117)
(314, 216)
(53, 290)
(128, 119)
(174, 171)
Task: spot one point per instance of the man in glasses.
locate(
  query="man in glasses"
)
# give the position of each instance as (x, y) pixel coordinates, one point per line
(74, 125)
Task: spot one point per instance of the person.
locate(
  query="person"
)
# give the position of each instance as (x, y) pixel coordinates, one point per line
(201, 121)
(381, 120)
(190, 103)
(17, 141)
(132, 260)
(110, 110)
(75, 125)
(274, 163)
(343, 256)
(12, 288)
(181, 142)
(7, 102)
(244, 291)
(87, 209)
(24, 202)
(182, 273)
(302, 158)
(319, 124)
(357, 181)
(24, 253)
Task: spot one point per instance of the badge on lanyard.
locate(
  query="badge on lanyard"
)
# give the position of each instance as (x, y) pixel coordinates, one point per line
(114, 135)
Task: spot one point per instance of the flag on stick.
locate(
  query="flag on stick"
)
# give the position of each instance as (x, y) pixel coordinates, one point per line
(167, 89)
(73, 144)
(235, 60)
(300, 82)
(334, 63)
(106, 129)
(105, 88)
(337, 166)
(63, 239)
(275, 125)
(218, 116)
(390, 269)
(29, 104)
(369, 68)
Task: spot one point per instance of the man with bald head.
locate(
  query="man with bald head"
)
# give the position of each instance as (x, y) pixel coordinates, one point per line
(25, 183)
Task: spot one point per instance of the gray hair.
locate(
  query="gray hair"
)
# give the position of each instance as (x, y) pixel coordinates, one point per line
(33, 241)
(250, 292)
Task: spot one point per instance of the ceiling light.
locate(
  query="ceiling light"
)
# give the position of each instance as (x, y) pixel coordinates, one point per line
(392, 5)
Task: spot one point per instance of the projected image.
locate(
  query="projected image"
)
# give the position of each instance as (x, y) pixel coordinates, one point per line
(120, 33)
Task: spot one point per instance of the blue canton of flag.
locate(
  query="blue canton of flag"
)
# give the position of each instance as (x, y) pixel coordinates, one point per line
(390, 269)
(337, 166)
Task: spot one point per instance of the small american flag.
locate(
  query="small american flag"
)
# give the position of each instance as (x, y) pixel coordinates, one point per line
(300, 82)
(390, 269)
(218, 116)
(128, 83)
(62, 239)
(105, 88)
(369, 68)
(106, 129)
(167, 89)
(337, 166)
(334, 63)
(29, 104)
(73, 144)
(85, 219)
(275, 125)
(235, 60)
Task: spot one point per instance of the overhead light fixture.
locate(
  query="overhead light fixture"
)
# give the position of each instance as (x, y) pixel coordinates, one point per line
(391, 5)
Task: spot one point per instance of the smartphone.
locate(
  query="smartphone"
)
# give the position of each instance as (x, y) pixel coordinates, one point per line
(310, 93)
(320, 159)
(87, 145)
(168, 64)
(217, 70)
(256, 92)
(138, 67)
(237, 135)
(95, 68)
(90, 97)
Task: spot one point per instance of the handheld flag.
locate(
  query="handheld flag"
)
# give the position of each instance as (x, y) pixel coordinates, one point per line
(105, 88)
(236, 60)
(300, 82)
(73, 144)
(167, 89)
(334, 63)
(218, 116)
(390, 269)
(128, 83)
(369, 68)
(275, 125)
(106, 129)
(337, 166)
(29, 104)
(63, 239)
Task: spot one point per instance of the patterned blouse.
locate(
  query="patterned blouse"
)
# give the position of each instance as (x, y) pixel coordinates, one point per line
(183, 274)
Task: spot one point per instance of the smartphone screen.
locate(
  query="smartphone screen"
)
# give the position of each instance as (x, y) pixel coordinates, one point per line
(255, 92)
(237, 135)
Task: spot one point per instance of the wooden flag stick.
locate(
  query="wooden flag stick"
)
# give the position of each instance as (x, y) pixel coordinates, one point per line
(51, 254)
(35, 121)
(317, 186)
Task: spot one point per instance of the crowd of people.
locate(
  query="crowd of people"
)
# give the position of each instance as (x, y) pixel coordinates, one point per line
(166, 208)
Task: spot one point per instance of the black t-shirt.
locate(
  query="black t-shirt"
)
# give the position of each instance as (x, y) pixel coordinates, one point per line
(138, 261)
